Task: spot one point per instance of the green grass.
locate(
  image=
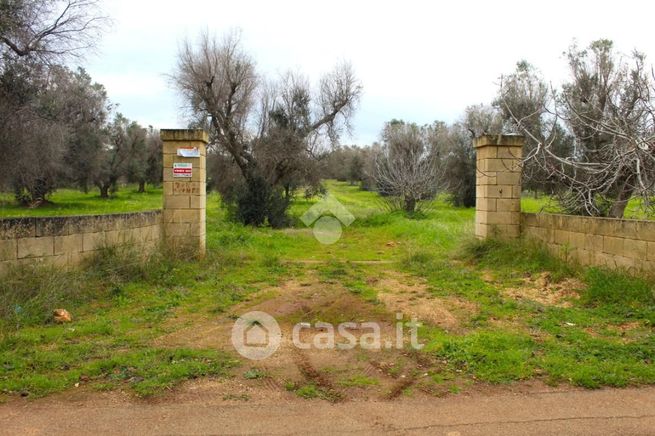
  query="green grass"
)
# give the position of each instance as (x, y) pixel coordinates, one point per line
(120, 307)
(74, 202)
(359, 381)
(542, 203)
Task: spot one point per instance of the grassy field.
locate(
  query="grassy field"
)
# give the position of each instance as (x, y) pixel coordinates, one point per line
(74, 202)
(532, 204)
(127, 199)
(515, 313)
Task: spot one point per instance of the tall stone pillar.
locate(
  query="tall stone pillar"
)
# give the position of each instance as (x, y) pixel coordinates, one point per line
(185, 189)
(498, 186)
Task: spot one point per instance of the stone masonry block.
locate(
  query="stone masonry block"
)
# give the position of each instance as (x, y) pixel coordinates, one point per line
(562, 237)
(502, 218)
(486, 153)
(635, 249)
(594, 242)
(646, 230)
(508, 205)
(177, 202)
(486, 204)
(93, 241)
(577, 240)
(69, 244)
(36, 247)
(651, 251)
(8, 249)
(613, 245)
(509, 178)
(198, 202)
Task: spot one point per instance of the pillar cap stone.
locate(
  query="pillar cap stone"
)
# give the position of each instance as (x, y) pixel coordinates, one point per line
(499, 141)
(184, 135)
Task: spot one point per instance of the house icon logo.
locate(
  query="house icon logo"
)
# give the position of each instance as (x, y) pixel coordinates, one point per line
(326, 219)
(256, 335)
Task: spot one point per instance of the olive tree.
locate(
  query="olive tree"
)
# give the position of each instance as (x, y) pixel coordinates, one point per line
(270, 130)
(406, 165)
(49, 115)
(599, 141)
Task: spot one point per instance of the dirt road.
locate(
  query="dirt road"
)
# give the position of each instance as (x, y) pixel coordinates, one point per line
(203, 407)
(356, 391)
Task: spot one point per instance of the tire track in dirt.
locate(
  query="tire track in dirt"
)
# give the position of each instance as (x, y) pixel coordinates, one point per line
(403, 381)
(312, 375)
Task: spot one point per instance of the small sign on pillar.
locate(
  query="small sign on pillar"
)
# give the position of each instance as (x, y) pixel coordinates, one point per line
(182, 169)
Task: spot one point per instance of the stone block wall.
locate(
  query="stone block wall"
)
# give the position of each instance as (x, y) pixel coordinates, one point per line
(68, 240)
(608, 242)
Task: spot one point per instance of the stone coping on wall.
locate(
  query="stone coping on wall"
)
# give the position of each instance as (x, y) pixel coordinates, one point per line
(36, 227)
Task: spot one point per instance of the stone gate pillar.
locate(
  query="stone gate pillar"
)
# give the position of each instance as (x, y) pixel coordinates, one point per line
(498, 186)
(185, 189)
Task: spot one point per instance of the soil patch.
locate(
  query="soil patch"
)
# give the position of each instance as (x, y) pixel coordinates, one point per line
(544, 290)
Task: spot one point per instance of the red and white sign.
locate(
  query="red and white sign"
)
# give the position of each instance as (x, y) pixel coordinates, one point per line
(182, 169)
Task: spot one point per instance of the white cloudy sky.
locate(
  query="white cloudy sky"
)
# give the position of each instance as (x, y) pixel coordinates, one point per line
(417, 60)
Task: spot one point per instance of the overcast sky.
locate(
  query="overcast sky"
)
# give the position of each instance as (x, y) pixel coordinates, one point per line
(417, 60)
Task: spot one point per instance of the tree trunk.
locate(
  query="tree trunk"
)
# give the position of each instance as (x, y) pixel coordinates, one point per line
(142, 186)
(621, 202)
(410, 204)
(104, 190)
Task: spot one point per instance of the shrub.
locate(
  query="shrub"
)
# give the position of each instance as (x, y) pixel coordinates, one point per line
(256, 203)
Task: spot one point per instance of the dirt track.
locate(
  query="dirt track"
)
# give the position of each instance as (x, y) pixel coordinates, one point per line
(201, 408)
(401, 401)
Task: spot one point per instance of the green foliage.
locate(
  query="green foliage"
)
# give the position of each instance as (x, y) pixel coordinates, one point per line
(257, 203)
(617, 288)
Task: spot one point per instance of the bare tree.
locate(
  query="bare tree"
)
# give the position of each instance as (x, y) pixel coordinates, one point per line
(50, 29)
(607, 108)
(268, 130)
(406, 169)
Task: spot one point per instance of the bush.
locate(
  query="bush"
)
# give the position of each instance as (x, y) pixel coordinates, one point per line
(257, 202)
